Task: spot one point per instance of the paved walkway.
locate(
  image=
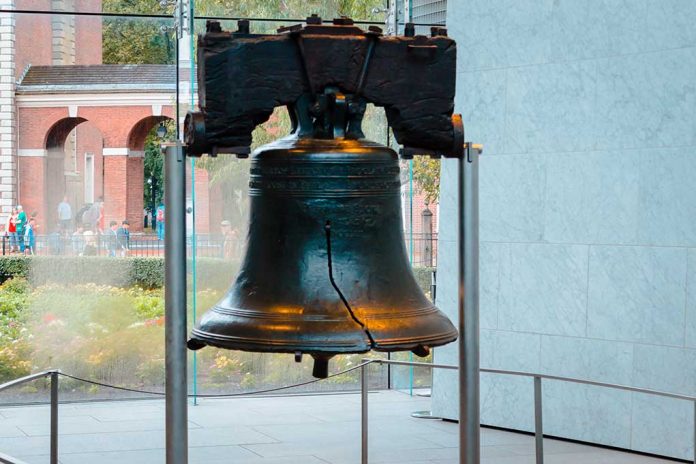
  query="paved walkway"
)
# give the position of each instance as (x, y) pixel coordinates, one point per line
(280, 430)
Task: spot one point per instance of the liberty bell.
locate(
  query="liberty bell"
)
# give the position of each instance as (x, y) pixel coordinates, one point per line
(326, 270)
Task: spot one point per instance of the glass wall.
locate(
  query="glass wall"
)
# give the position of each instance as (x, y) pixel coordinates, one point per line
(89, 91)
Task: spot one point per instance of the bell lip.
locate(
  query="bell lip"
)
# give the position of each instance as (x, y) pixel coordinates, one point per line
(275, 346)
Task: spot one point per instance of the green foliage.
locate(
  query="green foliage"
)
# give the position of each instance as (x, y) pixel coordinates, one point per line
(141, 272)
(135, 40)
(426, 175)
(153, 164)
(13, 266)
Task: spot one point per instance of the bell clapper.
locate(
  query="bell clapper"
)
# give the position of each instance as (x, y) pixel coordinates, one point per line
(421, 351)
(321, 366)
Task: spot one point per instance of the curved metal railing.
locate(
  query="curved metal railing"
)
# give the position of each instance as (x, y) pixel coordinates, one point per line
(53, 374)
(538, 418)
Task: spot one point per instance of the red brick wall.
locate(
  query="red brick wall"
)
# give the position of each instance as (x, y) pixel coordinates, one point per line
(32, 187)
(88, 33)
(34, 124)
(33, 35)
(202, 199)
(115, 188)
(115, 123)
(134, 201)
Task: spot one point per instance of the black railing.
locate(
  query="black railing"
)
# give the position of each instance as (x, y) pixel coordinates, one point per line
(422, 246)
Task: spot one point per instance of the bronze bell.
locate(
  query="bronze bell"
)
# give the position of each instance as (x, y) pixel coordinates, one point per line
(326, 270)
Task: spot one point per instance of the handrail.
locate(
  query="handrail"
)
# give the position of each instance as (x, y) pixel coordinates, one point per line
(543, 376)
(5, 459)
(27, 378)
(53, 374)
(538, 423)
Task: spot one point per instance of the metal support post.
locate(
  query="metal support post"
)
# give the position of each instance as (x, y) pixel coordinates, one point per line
(54, 417)
(363, 412)
(694, 432)
(469, 414)
(538, 421)
(175, 304)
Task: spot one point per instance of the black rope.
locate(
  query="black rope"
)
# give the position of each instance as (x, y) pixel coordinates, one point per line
(327, 228)
(222, 395)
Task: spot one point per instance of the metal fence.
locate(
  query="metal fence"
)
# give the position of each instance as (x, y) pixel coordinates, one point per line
(538, 407)
(421, 247)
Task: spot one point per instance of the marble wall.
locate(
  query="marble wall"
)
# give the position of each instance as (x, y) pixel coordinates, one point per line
(587, 111)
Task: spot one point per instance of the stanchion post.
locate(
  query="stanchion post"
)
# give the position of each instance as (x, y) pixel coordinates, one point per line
(538, 421)
(363, 413)
(468, 247)
(54, 417)
(175, 305)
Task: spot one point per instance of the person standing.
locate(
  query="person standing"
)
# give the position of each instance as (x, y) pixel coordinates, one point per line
(30, 237)
(20, 226)
(160, 222)
(123, 236)
(78, 241)
(11, 231)
(101, 219)
(112, 238)
(64, 215)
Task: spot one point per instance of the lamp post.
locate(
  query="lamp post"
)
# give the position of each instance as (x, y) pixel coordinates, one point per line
(152, 182)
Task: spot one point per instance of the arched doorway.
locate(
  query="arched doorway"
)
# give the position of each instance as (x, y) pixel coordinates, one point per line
(74, 168)
(146, 166)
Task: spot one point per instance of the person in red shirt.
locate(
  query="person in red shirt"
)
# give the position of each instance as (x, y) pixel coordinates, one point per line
(11, 231)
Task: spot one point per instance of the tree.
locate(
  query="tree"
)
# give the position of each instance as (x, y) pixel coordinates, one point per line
(135, 40)
(426, 176)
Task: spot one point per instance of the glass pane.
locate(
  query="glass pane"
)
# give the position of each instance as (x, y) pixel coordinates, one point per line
(84, 97)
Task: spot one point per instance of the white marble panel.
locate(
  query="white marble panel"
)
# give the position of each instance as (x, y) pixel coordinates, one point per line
(665, 368)
(662, 426)
(481, 101)
(671, 24)
(667, 196)
(494, 263)
(587, 413)
(551, 108)
(587, 359)
(513, 351)
(447, 208)
(583, 29)
(501, 33)
(476, 33)
(691, 300)
(507, 401)
(637, 294)
(511, 198)
(545, 290)
(592, 198)
(647, 100)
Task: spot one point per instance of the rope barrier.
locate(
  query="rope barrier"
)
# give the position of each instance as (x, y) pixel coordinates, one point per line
(221, 395)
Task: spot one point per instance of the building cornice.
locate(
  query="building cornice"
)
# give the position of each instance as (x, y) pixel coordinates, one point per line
(95, 99)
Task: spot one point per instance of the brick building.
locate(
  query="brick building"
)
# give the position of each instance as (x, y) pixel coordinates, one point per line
(72, 126)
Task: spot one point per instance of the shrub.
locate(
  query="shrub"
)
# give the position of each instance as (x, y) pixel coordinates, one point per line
(101, 270)
(144, 272)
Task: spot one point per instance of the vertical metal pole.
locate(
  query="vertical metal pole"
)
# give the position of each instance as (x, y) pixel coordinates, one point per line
(54, 417)
(469, 425)
(175, 304)
(538, 421)
(363, 413)
(694, 432)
